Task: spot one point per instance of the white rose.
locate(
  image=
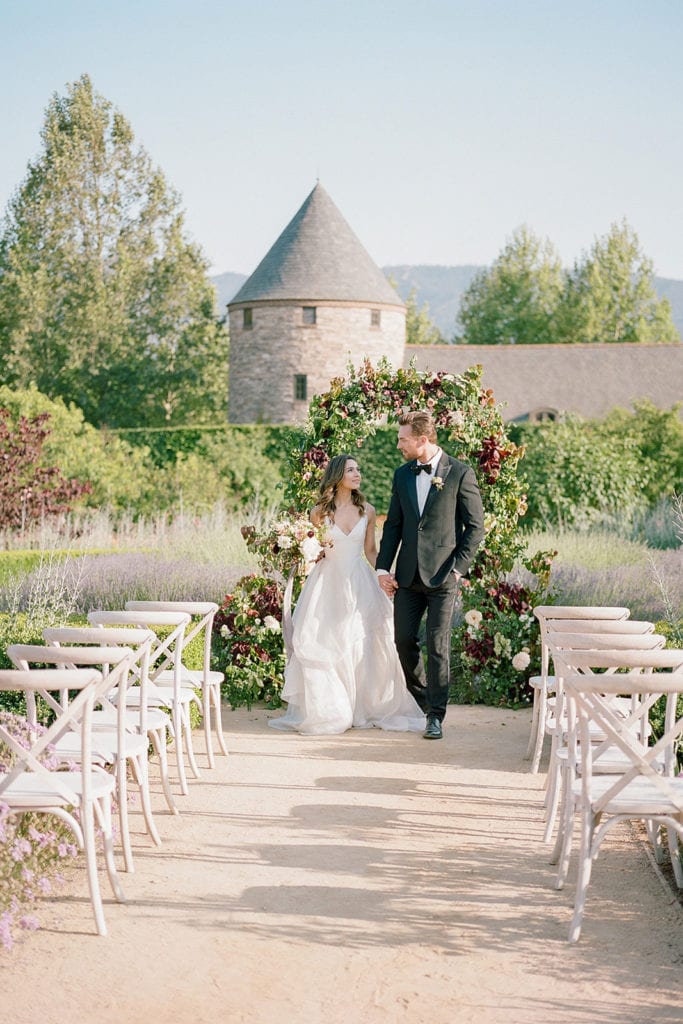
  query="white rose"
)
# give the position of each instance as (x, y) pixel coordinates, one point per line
(521, 661)
(310, 549)
(271, 623)
(284, 542)
(473, 617)
(225, 631)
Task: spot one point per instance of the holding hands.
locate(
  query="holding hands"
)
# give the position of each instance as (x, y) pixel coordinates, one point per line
(387, 582)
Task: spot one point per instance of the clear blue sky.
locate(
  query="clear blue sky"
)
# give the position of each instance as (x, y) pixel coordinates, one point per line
(437, 126)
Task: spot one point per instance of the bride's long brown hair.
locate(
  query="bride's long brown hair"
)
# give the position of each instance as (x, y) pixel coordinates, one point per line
(327, 492)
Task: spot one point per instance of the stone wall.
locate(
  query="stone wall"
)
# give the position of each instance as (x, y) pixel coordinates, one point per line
(265, 358)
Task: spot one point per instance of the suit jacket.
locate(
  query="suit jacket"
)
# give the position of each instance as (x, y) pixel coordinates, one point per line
(447, 534)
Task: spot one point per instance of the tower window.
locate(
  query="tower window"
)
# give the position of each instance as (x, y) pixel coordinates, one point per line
(310, 314)
(247, 319)
(300, 387)
(375, 317)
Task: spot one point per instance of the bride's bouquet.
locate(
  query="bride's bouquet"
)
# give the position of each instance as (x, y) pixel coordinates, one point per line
(291, 542)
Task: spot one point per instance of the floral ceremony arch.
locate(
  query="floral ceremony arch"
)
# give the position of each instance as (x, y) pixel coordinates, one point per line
(496, 646)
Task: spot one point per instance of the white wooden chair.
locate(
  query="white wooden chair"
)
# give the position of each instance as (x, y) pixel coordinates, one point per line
(558, 643)
(204, 679)
(647, 788)
(543, 685)
(155, 721)
(31, 785)
(110, 744)
(169, 628)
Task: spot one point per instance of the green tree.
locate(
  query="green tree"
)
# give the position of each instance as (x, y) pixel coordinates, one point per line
(514, 302)
(610, 295)
(419, 328)
(103, 301)
(119, 475)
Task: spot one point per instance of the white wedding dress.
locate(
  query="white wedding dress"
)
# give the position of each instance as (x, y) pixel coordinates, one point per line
(344, 670)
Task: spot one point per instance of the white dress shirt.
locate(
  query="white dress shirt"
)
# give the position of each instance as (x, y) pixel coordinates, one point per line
(423, 481)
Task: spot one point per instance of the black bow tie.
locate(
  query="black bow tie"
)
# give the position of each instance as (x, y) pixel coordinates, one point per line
(420, 467)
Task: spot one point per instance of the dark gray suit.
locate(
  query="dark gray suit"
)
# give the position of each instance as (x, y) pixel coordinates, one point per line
(430, 546)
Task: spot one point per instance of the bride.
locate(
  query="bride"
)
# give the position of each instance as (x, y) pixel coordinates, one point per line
(344, 670)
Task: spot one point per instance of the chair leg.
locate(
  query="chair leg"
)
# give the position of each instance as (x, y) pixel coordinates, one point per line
(103, 813)
(159, 743)
(585, 867)
(141, 770)
(540, 732)
(206, 709)
(88, 827)
(122, 798)
(178, 729)
(185, 715)
(675, 855)
(533, 732)
(219, 719)
(552, 799)
(565, 835)
(654, 833)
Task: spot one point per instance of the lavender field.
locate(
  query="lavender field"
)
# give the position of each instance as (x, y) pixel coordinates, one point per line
(82, 564)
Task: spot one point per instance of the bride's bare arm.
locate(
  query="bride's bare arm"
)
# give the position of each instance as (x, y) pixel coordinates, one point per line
(370, 539)
(315, 516)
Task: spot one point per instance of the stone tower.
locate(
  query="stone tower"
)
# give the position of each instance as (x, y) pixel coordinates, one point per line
(315, 302)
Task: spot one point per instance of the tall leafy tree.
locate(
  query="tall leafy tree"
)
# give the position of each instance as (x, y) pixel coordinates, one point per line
(514, 301)
(103, 299)
(610, 295)
(419, 328)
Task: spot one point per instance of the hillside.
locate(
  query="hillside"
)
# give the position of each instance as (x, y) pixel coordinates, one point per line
(442, 289)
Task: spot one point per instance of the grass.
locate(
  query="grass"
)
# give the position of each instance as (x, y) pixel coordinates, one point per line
(600, 567)
(103, 563)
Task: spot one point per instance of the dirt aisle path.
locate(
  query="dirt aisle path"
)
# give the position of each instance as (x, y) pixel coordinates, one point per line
(365, 878)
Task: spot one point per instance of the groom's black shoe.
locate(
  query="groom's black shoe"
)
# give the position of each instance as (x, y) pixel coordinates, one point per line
(433, 730)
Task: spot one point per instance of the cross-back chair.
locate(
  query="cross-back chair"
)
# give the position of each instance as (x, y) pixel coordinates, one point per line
(167, 651)
(111, 744)
(33, 785)
(139, 717)
(648, 787)
(543, 685)
(204, 679)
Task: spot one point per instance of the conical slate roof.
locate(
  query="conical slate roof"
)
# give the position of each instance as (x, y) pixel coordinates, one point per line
(317, 257)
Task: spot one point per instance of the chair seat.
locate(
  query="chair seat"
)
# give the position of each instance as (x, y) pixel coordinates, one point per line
(32, 792)
(190, 677)
(612, 761)
(160, 697)
(537, 683)
(640, 797)
(104, 746)
(156, 719)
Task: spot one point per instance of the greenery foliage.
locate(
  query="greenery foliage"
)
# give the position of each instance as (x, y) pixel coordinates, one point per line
(103, 301)
(247, 644)
(29, 489)
(419, 328)
(118, 474)
(526, 297)
(498, 647)
(579, 472)
(514, 302)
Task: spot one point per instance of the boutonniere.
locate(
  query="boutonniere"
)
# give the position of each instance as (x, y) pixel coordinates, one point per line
(437, 481)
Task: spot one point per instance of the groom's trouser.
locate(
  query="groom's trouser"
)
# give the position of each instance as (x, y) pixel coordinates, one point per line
(429, 689)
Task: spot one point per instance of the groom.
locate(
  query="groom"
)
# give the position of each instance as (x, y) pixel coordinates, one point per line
(436, 523)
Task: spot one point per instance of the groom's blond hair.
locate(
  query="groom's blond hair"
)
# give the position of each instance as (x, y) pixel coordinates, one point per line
(421, 424)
